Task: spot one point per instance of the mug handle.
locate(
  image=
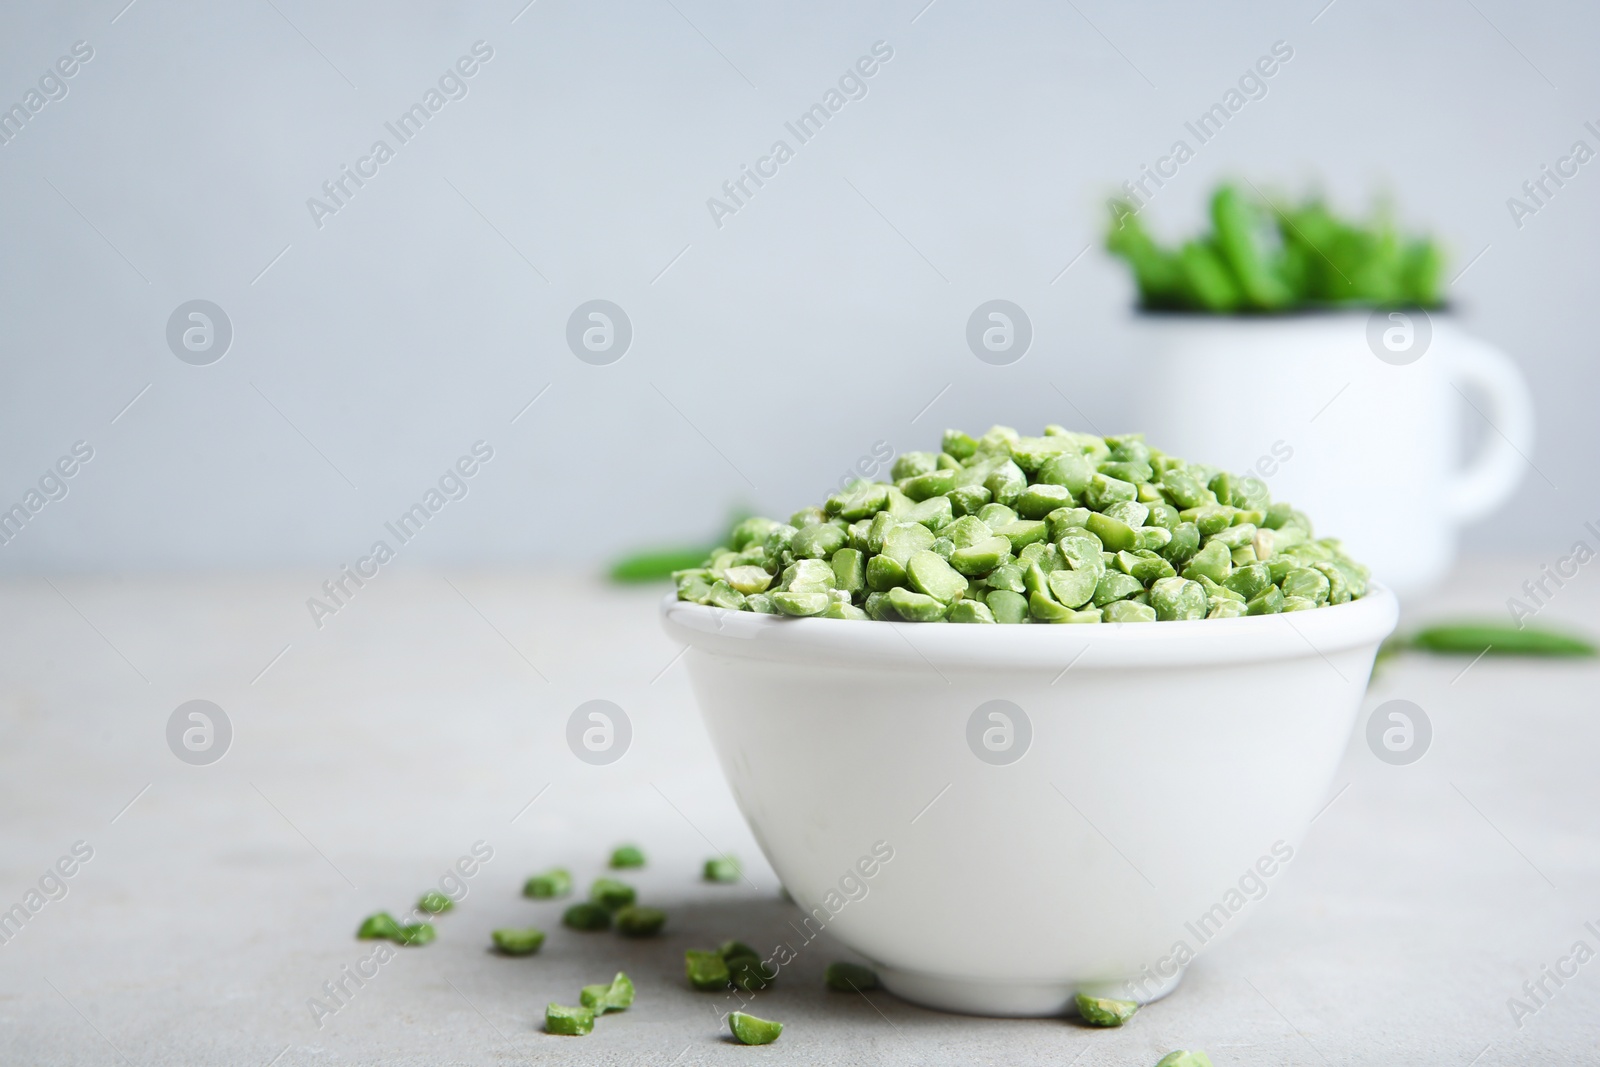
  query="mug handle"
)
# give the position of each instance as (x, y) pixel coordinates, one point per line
(1491, 477)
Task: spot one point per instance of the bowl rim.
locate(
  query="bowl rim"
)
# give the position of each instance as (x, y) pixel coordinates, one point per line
(1358, 626)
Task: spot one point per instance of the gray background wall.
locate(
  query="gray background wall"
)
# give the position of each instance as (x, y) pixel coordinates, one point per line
(774, 350)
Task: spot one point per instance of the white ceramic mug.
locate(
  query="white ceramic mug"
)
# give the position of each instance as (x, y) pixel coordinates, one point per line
(1353, 417)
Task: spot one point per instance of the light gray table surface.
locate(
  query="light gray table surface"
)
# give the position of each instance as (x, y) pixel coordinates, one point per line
(430, 710)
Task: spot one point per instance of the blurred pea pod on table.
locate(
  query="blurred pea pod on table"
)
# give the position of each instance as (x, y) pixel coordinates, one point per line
(657, 564)
(1263, 257)
(1471, 638)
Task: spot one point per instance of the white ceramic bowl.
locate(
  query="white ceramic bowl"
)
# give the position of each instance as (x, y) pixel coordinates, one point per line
(1160, 776)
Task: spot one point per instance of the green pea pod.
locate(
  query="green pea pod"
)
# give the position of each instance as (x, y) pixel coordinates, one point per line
(1207, 281)
(1312, 238)
(656, 565)
(1238, 224)
(1156, 271)
(1471, 639)
(1319, 259)
(1421, 272)
(1377, 275)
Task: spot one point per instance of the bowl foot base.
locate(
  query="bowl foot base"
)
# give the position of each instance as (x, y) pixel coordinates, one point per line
(1012, 999)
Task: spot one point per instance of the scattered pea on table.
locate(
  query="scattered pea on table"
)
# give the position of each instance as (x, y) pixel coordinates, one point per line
(415, 934)
(844, 977)
(750, 1030)
(587, 916)
(750, 974)
(636, 921)
(435, 902)
(617, 995)
(383, 926)
(729, 949)
(706, 971)
(1103, 1011)
(722, 869)
(556, 882)
(610, 893)
(380, 926)
(518, 942)
(568, 1021)
(625, 857)
(746, 970)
